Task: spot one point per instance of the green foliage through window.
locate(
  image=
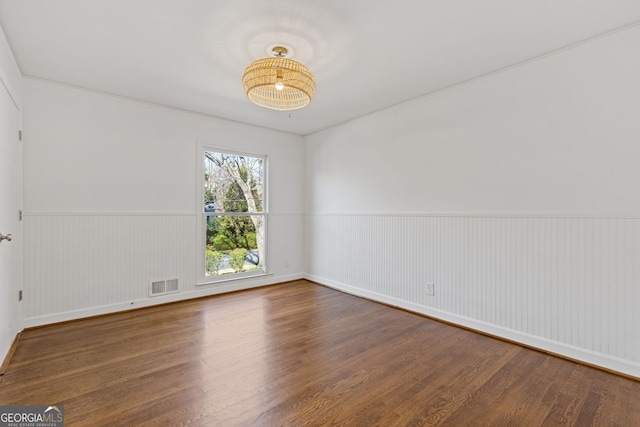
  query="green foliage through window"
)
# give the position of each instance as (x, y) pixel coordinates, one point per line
(233, 211)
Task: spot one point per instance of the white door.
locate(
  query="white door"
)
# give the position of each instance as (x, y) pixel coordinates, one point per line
(10, 205)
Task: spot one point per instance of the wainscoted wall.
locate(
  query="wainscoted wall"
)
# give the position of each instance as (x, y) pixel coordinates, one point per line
(111, 201)
(564, 284)
(546, 154)
(80, 264)
(83, 261)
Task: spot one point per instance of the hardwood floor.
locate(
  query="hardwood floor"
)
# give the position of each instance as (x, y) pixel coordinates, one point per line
(301, 354)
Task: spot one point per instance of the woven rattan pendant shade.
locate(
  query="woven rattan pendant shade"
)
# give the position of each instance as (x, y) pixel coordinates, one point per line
(295, 80)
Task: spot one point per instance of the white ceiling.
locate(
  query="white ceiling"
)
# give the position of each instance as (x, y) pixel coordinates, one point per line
(365, 55)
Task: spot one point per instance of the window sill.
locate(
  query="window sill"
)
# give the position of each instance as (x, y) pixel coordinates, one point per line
(233, 278)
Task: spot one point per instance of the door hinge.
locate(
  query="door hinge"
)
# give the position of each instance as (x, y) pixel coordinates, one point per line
(20, 135)
(19, 215)
(20, 295)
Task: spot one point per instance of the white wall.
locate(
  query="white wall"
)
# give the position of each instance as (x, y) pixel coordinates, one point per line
(9, 71)
(11, 95)
(517, 194)
(111, 200)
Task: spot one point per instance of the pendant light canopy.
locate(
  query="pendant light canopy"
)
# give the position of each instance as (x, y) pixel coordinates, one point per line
(279, 83)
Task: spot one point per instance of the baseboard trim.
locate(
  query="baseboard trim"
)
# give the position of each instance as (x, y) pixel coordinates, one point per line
(586, 357)
(9, 356)
(200, 292)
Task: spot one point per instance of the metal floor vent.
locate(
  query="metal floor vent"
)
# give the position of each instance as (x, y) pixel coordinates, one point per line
(163, 287)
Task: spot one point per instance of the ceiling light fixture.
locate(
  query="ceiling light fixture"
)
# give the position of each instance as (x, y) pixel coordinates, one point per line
(279, 83)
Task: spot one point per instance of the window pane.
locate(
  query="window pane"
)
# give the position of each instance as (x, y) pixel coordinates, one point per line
(233, 183)
(233, 244)
(233, 214)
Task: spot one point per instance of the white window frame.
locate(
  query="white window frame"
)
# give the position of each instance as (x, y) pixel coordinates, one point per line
(203, 279)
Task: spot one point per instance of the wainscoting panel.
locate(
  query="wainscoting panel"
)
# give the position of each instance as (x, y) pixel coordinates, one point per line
(77, 261)
(84, 264)
(569, 285)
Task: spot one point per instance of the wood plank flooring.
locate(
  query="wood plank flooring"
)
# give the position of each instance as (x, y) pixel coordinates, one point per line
(300, 354)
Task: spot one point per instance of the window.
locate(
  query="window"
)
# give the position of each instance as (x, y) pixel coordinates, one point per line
(233, 215)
